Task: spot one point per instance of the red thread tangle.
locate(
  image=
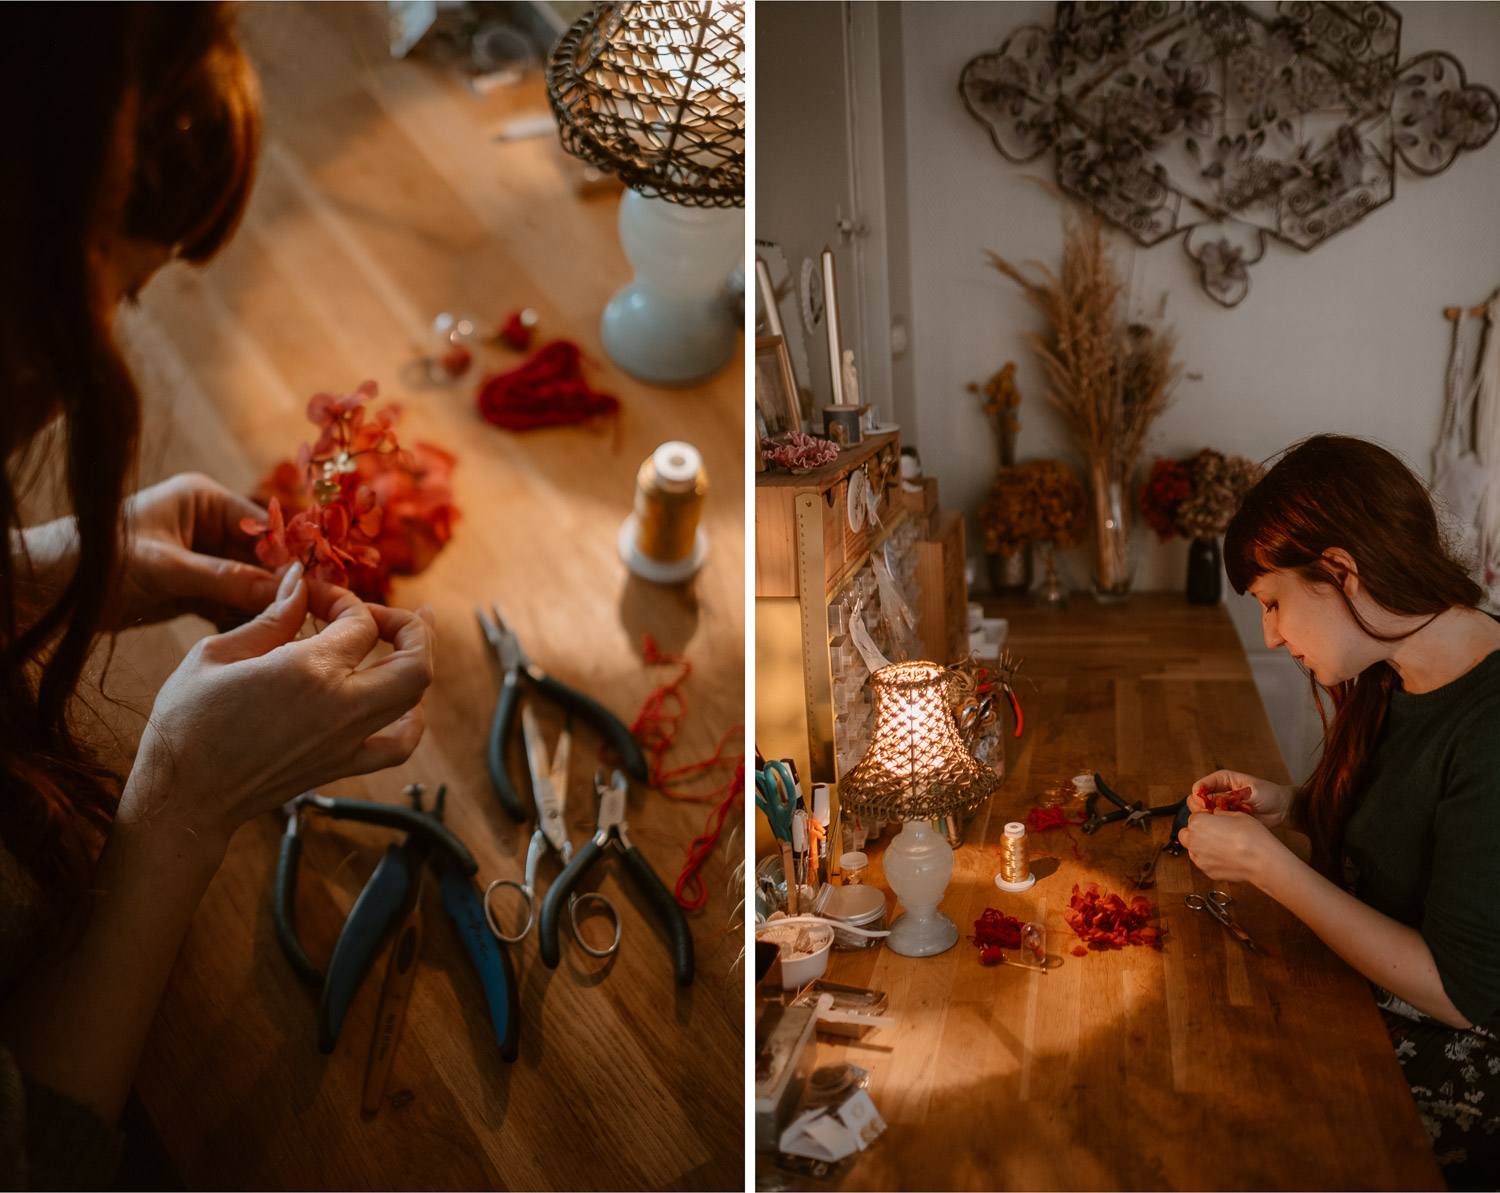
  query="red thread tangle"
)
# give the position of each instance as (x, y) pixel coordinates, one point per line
(656, 727)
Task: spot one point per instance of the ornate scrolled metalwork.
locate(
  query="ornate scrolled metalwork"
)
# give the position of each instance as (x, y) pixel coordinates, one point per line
(1224, 125)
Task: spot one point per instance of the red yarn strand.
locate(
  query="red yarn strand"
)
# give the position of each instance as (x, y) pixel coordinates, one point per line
(655, 728)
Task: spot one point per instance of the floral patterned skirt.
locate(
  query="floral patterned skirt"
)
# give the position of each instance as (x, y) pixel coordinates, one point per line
(1454, 1077)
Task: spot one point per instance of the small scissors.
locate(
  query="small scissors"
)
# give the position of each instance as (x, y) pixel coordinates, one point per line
(774, 793)
(549, 785)
(1220, 906)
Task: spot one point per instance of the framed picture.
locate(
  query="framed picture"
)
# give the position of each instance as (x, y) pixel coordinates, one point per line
(776, 409)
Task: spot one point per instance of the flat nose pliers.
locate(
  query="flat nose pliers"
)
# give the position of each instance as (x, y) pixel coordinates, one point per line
(611, 829)
(513, 660)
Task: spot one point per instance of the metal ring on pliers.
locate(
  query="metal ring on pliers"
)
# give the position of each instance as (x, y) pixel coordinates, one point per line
(530, 896)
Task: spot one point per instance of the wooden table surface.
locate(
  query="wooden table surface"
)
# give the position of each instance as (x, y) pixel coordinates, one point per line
(1199, 1067)
(383, 199)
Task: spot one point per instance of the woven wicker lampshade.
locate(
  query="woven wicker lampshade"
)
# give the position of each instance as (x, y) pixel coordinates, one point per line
(655, 93)
(916, 767)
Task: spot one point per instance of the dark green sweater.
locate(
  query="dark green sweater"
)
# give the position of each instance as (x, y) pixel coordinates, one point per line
(1425, 839)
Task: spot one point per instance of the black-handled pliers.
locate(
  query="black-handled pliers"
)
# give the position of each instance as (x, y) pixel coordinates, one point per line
(516, 665)
(1094, 822)
(428, 842)
(611, 829)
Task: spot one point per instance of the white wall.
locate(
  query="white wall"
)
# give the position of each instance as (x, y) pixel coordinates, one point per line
(1349, 337)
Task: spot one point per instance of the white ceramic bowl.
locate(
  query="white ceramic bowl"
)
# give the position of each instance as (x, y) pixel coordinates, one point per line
(796, 974)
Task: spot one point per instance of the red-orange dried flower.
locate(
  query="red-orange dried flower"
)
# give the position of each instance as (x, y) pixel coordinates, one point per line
(356, 507)
(1105, 921)
(1226, 801)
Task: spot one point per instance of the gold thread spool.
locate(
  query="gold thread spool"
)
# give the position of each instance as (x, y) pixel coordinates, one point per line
(1015, 867)
(661, 540)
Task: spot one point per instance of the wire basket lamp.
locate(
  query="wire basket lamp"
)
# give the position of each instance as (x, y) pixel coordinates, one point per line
(915, 770)
(655, 94)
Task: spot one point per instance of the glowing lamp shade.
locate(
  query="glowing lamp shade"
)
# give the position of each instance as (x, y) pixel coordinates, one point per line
(655, 94)
(916, 769)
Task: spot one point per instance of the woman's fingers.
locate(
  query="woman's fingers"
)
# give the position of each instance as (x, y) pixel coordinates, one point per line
(392, 746)
(397, 681)
(213, 580)
(276, 625)
(351, 632)
(216, 516)
(392, 622)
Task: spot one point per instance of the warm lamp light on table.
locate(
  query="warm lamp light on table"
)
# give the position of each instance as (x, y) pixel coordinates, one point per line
(915, 770)
(655, 94)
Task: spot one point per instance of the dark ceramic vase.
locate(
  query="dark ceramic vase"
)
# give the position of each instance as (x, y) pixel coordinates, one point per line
(1205, 569)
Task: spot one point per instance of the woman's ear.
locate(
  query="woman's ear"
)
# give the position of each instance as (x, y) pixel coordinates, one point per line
(1343, 564)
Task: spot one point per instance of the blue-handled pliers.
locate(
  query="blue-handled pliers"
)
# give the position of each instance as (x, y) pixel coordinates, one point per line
(428, 843)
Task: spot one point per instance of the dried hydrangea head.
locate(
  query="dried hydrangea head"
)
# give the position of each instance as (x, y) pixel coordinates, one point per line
(1038, 500)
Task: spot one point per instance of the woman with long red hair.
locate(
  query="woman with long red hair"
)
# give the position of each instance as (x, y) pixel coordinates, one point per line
(129, 133)
(1341, 545)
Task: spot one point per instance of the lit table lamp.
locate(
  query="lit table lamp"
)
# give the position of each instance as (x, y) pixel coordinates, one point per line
(655, 93)
(915, 770)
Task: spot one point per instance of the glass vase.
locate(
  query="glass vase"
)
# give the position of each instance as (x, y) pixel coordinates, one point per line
(1109, 548)
(1050, 594)
(1205, 569)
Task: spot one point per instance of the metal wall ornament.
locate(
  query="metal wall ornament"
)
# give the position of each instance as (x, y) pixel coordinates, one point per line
(1227, 124)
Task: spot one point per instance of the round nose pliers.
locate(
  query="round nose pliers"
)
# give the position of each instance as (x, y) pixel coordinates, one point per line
(611, 830)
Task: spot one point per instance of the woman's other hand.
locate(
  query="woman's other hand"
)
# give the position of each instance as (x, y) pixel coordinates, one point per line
(186, 553)
(1229, 846)
(253, 717)
(1270, 802)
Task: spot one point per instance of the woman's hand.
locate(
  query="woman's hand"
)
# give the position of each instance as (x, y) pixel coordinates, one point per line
(252, 717)
(1229, 846)
(185, 553)
(1270, 802)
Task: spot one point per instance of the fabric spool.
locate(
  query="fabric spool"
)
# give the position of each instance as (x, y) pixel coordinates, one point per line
(661, 540)
(1015, 867)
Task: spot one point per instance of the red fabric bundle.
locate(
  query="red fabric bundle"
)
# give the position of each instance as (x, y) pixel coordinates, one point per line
(1105, 921)
(548, 390)
(995, 928)
(1226, 801)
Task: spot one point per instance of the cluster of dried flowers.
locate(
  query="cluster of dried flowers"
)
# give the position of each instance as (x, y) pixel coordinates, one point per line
(1108, 377)
(356, 507)
(798, 451)
(1105, 921)
(1036, 501)
(1197, 496)
(1001, 401)
(1226, 801)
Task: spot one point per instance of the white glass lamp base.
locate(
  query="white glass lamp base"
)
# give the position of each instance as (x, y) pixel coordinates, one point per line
(670, 326)
(922, 934)
(918, 865)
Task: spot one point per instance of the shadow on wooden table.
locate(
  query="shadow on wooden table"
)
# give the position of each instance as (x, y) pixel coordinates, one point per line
(668, 612)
